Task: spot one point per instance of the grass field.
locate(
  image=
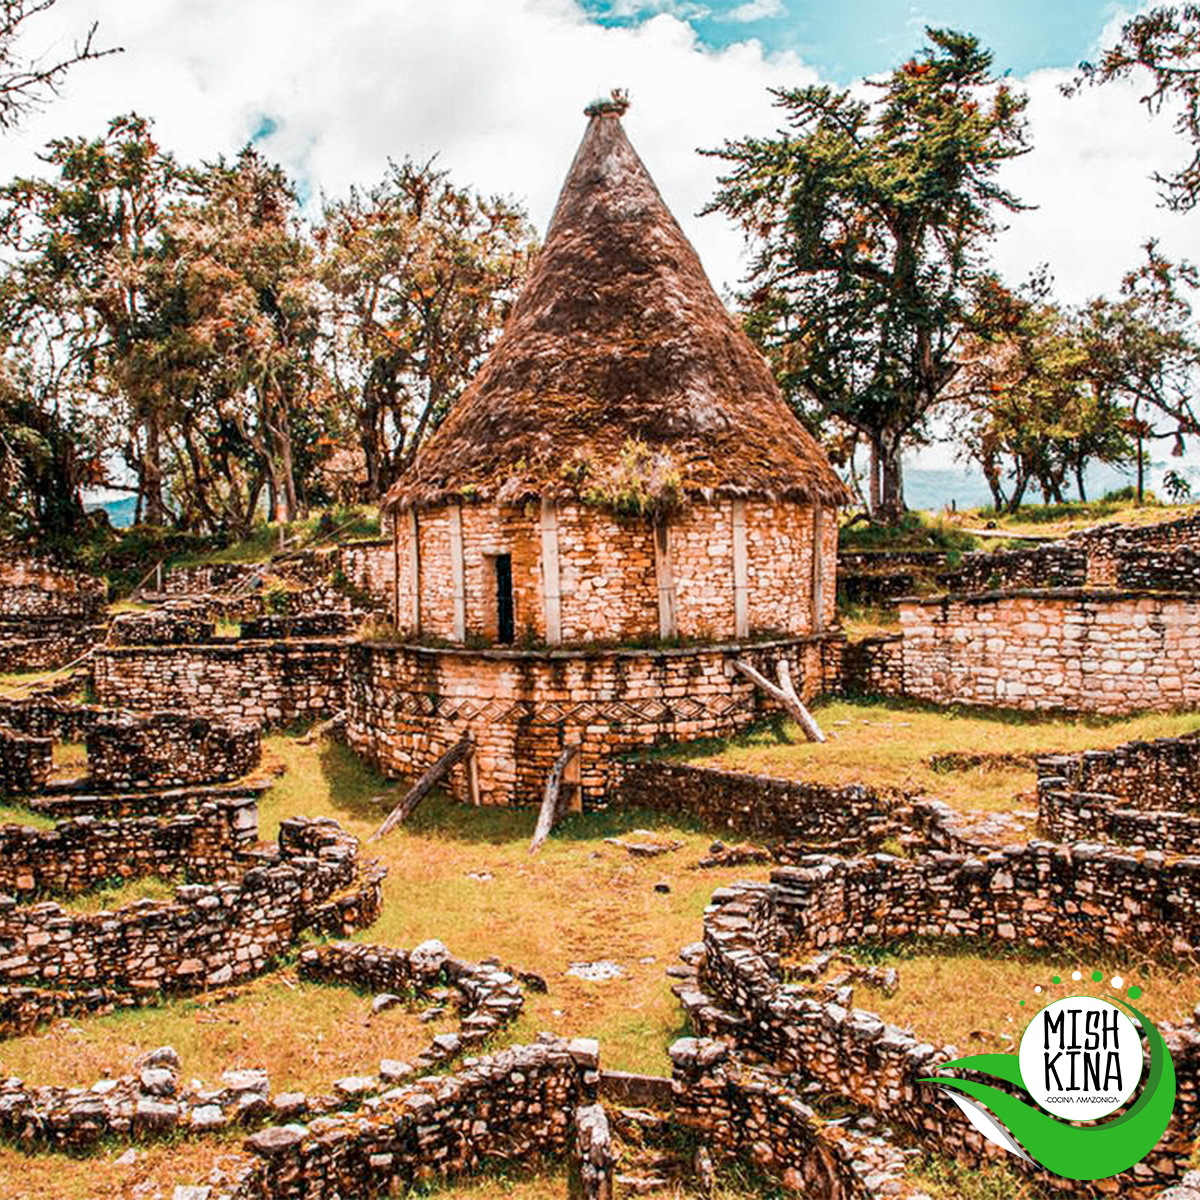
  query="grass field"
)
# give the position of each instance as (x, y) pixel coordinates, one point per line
(890, 744)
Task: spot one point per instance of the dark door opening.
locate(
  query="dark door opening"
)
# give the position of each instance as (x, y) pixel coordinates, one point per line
(504, 598)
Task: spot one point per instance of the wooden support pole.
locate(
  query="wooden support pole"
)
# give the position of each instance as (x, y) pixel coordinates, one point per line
(458, 573)
(818, 572)
(786, 696)
(548, 817)
(414, 568)
(396, 570)
(408, 804)
(550, 573)
(741, 573)
(665, 576)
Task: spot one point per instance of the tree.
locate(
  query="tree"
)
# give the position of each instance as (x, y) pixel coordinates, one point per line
(85, 242)
(1031, 411)
(1143, 349)
(27, 81)
(422, 274)
(869, 221)
(1164, 42)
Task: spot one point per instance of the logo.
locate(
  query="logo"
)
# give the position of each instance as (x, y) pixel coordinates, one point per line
(1080, 1058)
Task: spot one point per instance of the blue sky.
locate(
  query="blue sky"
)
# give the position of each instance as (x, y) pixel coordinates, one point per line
(847, 39)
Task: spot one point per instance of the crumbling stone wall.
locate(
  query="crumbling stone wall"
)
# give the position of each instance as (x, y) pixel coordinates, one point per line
(170, 749)
(1029, 894)
(44, 716)
(25, 762)
(176, 624)
(762, 806)
(82, 853)
(1055, 564)
(303, 625)
(210, 934)
(737, 1111)
(271, 683)
(408, 704)
(516, 1105)
(36, 587)
(1108, 652)
(1141, 793)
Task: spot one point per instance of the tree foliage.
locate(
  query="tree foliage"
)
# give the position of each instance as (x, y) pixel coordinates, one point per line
(869, 221)
(1163, 43)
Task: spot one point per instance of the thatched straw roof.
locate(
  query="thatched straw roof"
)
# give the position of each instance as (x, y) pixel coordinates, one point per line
(618, 356)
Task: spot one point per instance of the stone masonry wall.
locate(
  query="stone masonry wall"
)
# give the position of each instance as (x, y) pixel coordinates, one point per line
(1105, 652)
(170, 749)
(271, 683)
(607, 581)
(1056, 564)
(1030, 893)
(83, 853)
(874, 666)
(409, 704)
(25, 762)
(210, 934)
(761, 806)
(34, 587)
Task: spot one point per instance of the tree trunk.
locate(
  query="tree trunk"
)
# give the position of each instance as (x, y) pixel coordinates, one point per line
(1079, 480)
(152, 472)
(873, 482)
(891, 484)
(1141, 472)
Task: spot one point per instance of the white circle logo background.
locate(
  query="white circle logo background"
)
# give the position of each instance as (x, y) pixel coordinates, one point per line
(1074, 1105)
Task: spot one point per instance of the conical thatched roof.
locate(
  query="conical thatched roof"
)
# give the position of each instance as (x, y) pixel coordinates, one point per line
(617, 337)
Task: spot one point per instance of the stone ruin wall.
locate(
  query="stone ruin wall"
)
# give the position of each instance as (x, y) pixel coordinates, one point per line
(270, 683)
(1139, 794)
(607, 581)
(209, 935)
(170, 749)
(48, 615)
(408, 705)
(1107, 652)
(1024, 894)
(788, 811)
(80, 854)
(25, 762)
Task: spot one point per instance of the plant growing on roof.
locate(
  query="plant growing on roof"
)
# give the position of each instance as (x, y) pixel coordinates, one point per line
(643, 482)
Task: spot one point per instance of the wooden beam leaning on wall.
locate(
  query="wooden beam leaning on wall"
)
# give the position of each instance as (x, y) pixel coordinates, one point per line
(461, 749)
(665, 577)
(458, 573)
(552, 807)
(550, 573)
(741, 573)
(785, 694)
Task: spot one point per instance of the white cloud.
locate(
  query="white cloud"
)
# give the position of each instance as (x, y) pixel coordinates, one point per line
(756, 10)
(497, 89)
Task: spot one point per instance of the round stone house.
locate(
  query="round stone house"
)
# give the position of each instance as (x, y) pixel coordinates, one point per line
(618, 507)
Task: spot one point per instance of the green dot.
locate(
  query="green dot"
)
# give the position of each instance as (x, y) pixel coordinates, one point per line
(1134, 992)
(1022, 1003)
(1097, 975)
(1055, 979)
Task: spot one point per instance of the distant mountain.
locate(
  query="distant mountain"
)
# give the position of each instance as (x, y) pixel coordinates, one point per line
(120, 511)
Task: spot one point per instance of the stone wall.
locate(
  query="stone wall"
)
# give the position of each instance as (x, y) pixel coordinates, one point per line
(1105, 652)
(45, 643)
(35, 587)
(1055, 564)
(210, 934)
(170, 749)
(303, 625)
(607, 581)
(517, 1105)
(408, 704)
(271, 683)
(1141, 793)
(78, 855)
(25, 762)
(800, 815)
(1175, 570)
(742, 1113)
(180, 623)
(1028, 894)
(874, 666)
(44, 716)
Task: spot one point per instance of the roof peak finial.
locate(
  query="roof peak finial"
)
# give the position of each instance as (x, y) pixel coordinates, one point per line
(616, 106)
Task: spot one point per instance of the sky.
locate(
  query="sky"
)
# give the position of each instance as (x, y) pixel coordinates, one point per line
(496, 88)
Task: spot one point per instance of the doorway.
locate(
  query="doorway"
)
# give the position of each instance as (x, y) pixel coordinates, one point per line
(505, 632)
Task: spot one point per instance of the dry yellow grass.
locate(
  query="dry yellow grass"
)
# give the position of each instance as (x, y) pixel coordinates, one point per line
(889, 744)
